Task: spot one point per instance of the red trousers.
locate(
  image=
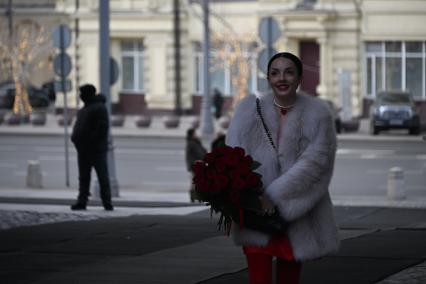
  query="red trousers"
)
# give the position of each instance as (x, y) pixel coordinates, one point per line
(260, 269)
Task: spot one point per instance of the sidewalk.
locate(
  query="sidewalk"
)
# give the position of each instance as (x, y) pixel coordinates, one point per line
(379, 245)
(157, 129)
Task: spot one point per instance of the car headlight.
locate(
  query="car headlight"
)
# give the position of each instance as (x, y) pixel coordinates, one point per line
(381, 111)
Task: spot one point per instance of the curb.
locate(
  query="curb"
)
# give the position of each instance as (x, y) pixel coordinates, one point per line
(181, 134)
(341, 201)
(95, 202)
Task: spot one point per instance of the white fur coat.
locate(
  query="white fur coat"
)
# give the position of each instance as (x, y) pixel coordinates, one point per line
(297, 177)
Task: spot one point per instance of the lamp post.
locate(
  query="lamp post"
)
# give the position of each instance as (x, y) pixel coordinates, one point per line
(176, 31)
(207, 128)
(104, 68)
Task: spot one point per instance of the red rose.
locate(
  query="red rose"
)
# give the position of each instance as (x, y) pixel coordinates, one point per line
(253, 180)
(239, 152)
(202, 186)
(238, 183)
(223, 181)
(235, 196)
(232, 160)
(209, 158)
(248, 161)
(198, 178)
(220, 183)
(223, 151)
(220, 165)
(198, 167)
(211, 174)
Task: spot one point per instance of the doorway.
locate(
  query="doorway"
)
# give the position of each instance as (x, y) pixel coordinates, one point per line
(309, 54)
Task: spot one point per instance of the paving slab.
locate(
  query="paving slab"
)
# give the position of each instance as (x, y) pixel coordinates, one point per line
(366, 259)
(186, 264)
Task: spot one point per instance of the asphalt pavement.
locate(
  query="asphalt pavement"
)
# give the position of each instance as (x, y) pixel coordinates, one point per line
(163, 238)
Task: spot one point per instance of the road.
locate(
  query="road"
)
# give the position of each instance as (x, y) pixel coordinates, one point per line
(157, 164)
(362, 167)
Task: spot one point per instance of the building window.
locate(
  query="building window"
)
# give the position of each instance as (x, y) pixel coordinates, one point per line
(396, 65)
(224, 71)
(132, 64)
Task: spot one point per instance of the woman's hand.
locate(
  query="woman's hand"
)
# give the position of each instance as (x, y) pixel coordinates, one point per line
(266, 204)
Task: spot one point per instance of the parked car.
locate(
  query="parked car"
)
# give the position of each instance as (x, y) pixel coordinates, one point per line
(394, 110)
(38, 97)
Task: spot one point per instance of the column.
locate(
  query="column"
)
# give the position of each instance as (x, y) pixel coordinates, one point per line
(323, 87)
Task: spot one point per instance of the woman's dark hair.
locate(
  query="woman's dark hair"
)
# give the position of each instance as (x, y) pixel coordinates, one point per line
(290, 56)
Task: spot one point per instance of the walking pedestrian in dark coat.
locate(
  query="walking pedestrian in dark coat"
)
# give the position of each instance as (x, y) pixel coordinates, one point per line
(194, 151)
(218, 103)
(90, 137)
(219, 141)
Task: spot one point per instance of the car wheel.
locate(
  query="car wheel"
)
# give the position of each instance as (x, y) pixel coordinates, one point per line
(374, 130)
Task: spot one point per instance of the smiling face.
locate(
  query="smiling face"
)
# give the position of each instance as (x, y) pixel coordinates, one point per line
(283, 77)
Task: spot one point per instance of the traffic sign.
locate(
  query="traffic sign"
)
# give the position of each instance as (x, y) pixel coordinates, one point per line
(67, 87)
(61, 37)
(62, 64)
(269, 30)
(263, 59)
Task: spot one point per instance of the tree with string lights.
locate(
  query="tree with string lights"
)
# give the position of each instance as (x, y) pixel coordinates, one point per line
(233, 49)
(21, 54)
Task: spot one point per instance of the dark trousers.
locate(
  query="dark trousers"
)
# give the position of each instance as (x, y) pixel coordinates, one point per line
(87, 161)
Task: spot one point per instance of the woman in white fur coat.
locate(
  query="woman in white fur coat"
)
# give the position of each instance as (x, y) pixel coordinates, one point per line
(297, 151)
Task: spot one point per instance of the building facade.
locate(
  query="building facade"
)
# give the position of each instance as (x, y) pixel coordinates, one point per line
(351, 49)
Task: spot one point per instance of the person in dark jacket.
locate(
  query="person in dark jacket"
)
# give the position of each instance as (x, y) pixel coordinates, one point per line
(90, 138)
(194, 151)
(217, 102)
(219, 141)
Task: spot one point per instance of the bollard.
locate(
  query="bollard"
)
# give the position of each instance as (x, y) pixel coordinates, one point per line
(396, 185)
(34, 174)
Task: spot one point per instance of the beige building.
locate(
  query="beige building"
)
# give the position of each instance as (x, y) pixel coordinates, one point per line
(351, 49)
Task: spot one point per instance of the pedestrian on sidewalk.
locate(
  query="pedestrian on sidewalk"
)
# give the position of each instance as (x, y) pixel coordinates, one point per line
(217, 103)
(90, 137)
(219, 141)
(194, 151)
(292, 135)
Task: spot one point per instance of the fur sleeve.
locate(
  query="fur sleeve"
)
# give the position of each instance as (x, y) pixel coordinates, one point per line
(298, 190)
(244, 113)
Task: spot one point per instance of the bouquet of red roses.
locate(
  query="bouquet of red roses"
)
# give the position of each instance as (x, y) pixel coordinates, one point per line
(223, 179)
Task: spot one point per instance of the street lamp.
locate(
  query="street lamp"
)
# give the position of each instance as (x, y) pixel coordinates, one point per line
(207, 128)
(176, 32)
(104, 65)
